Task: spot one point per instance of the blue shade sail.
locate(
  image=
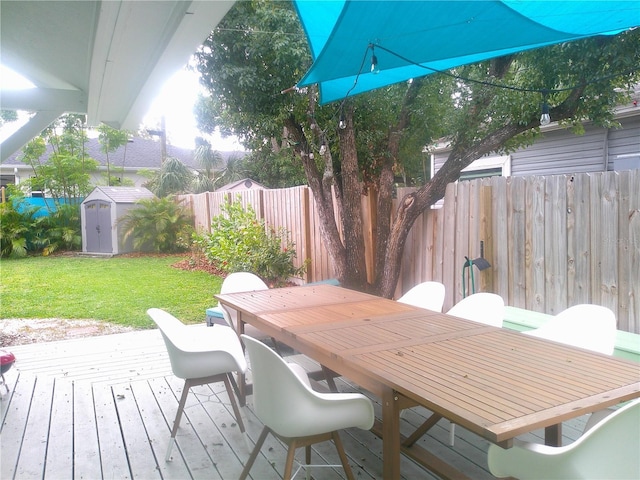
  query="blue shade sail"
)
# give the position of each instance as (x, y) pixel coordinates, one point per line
(415, 38)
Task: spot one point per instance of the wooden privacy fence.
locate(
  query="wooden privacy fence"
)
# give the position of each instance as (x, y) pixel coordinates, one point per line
(552, 242)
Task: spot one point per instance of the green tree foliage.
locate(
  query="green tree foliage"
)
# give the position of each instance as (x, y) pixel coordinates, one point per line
(173, 178)
(239, 242)
(66, 174)
(8, 116)
(275, 169)
(111, 140)
(258, 52)
(158, 225)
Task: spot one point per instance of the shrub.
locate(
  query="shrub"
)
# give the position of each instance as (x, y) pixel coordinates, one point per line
(239, 242)
(15, 230)
(62, 230)
(22, 231)
(158, 225)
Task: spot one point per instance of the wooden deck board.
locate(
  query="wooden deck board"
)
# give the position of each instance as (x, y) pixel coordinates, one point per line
(106, 408)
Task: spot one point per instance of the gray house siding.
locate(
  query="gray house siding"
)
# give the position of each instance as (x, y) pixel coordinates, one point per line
(624, 144)
(559, 151)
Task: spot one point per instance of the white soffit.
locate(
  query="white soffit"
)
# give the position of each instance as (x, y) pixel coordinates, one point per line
(107, 59)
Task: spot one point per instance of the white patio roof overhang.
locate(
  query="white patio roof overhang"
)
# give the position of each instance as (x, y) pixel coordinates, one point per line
(106, 59)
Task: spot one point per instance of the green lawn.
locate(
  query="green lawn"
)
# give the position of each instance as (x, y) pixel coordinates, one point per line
(118, 290)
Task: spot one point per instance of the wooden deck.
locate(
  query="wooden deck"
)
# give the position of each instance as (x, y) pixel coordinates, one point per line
(102, 407)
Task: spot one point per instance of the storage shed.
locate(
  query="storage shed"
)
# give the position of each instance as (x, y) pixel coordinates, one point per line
(99, 214)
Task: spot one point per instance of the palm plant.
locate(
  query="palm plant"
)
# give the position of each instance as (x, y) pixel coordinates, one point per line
(209, 160)
(174, 177)
(63, 229)
(158, 225)
(201, 183)
(15, 230)
(235, 170)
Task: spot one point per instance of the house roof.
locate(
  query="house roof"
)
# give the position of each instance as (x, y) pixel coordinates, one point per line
(106, 59)
(137, 154)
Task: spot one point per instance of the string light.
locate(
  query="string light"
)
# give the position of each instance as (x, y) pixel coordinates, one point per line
(323, 147)
(375, 69)
(545, 118)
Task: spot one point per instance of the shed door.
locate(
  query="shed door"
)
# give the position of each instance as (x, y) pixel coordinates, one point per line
(98, 226)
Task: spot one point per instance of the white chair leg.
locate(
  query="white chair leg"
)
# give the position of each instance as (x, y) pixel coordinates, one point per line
(176, 422)
(452, 433)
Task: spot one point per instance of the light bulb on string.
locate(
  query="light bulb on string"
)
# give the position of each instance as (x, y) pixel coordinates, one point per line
(323, 147)
(342, 124)
(545, 118)
(375, 69)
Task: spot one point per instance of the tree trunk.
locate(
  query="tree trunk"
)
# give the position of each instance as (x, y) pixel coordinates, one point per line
(356, 275)
(321, 187)
(386, 184)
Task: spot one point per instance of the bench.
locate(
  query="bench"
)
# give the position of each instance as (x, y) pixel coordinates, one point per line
(214, 315)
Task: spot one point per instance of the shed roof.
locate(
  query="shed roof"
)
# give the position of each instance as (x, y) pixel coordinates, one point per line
(124, 194)
(244, 184)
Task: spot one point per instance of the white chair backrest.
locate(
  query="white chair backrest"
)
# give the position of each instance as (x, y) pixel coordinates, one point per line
(611, 450)
(480, 307)
(285, 402)
(592, 327)
(429, 295)
(242, 282)
(239, 282)
(202, 353)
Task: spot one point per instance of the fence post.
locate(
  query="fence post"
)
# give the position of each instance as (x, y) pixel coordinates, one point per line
(486, 236)
(306, 225)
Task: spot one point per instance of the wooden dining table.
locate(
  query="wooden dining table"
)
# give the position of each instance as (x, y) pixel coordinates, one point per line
(494, 382)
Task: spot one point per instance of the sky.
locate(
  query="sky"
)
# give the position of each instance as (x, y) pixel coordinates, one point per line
(175, 101)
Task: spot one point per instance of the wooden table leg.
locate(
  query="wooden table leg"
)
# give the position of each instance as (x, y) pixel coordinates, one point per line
(553, 435)
(390, 435)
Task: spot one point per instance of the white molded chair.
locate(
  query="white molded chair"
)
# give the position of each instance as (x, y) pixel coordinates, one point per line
(483, 307)
(241, 282)
(200, 355)
(289, 409)
(586, 326)
(592, 327)
(610, 450)
(429, 295)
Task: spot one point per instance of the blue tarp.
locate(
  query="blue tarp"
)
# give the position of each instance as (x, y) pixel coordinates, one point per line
(413, 38)
(45, 206)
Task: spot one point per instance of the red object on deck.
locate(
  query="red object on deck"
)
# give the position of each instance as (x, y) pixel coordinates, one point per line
(7, 359)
